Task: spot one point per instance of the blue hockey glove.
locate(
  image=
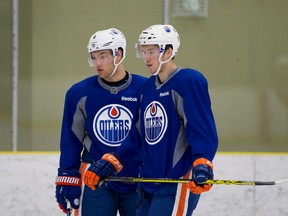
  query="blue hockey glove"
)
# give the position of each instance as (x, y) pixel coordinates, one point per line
(202, 171)
(109, 165)
(68, 187)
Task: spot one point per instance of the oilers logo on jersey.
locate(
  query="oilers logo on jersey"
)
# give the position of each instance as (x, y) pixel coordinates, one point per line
(156, 121)
(112, 123)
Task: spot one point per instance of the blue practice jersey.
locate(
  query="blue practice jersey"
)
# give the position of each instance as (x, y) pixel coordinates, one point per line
(97, 118)
(176, 125)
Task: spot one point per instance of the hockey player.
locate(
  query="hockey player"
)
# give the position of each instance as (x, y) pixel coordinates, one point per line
(98, 113)
(178, 132)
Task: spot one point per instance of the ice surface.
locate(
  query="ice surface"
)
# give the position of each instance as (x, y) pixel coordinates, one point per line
(27, 186)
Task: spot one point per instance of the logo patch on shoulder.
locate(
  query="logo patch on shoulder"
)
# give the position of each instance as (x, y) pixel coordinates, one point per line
(155, 120)
(112, 123)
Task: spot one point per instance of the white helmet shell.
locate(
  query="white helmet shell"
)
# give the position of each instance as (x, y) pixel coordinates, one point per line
(160, 35)
(111, 39)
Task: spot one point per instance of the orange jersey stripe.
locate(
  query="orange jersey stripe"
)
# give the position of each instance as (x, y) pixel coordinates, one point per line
(183, 197)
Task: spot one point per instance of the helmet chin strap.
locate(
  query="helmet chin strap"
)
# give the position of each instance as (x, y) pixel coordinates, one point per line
(116, 65)
(161, 63)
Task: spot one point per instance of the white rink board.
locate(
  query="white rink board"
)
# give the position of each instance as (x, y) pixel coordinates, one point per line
(27, 186)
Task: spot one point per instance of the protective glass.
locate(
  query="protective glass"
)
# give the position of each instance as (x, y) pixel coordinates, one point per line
(151, 52)
(103, 57)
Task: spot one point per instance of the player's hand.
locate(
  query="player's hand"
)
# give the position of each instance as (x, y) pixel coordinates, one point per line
(68, 187)
(109, 165)
(202, 171)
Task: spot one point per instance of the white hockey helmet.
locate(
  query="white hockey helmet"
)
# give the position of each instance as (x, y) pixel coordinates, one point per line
(112, 39)
(160, 35)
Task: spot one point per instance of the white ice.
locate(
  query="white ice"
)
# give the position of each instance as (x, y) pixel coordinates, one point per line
(27, 186)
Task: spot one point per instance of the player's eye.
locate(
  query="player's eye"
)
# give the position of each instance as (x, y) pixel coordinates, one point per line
(149, 53)
(103, 57)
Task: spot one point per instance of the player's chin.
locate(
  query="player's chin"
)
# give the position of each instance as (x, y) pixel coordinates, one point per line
(101, 73)
(151, 69)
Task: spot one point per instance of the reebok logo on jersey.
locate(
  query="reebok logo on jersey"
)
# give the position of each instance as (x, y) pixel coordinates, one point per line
(112, 123)
(164, 94)
(155, 122)
(128, 98)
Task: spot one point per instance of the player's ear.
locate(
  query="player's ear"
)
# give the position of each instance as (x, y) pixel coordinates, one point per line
(120, 55)
(168, 52)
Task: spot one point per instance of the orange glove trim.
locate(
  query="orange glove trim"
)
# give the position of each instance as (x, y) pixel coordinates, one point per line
(113, 160)
(61, 207)
(203, 161)
(91, 179)
(196, 189)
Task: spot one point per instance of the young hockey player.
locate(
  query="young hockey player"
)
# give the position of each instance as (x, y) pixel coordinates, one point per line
(98, 113)
(177, 128)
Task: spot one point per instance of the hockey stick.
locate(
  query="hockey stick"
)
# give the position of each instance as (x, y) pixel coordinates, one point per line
(69, 209)
(217, 182)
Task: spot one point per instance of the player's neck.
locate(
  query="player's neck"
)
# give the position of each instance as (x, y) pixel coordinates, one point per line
(119, 74)
(166, 70)
(118, 81)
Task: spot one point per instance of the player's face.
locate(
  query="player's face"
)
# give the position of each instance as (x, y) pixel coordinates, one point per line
(151, 57)
(103, 61)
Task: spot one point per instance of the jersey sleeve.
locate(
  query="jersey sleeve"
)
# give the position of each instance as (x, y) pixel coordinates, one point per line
(130, 149)
(198, 118)
(72, 132)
